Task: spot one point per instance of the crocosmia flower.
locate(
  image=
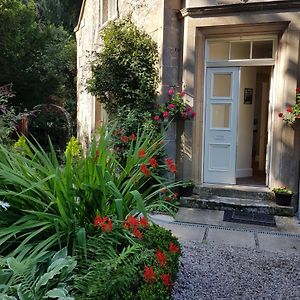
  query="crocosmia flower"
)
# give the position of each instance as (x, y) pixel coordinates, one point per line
(153, 162)
(166, 279)
(144, 169)
(173, 248)
(124, 139)
(132, 137)
(161, 258)
(149, 274)
(137, 233)
(141, 153)
(289, 109)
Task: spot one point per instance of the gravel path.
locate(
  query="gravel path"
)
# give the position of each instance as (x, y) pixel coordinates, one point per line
(208, 271)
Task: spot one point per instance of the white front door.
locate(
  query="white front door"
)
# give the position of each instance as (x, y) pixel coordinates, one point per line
(221, 118)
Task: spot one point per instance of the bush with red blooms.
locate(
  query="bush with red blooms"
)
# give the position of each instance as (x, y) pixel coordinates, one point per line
(292, 112)
(158, 272)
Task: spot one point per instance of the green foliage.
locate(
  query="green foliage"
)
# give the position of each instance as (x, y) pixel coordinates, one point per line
(39, 59)
(37, 277)
(74, 149)
(125, 73)
(59, 12)
(8, 121)
(22, 147)
(117, 271)
(52, 206)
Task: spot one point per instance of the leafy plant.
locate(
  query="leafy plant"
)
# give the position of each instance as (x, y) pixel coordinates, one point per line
(37, 277)
(51, 206)
(282, 190)
(125, 73)
(8, 120)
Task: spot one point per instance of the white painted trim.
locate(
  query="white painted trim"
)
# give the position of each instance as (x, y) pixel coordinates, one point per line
(244, 173)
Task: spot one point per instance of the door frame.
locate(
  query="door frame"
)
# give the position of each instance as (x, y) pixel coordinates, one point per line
(242, 63)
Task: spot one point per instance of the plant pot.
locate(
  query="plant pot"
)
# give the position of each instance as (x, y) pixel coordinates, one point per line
(186, 191)
(283, 199)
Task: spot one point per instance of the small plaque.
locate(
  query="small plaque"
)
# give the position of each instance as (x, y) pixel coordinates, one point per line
(248, 95)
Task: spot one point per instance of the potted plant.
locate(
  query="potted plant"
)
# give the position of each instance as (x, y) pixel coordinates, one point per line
(283, 196)
(187, 188)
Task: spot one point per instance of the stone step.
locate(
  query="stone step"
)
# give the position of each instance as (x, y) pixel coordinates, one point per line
(234, 191)
(241, 204)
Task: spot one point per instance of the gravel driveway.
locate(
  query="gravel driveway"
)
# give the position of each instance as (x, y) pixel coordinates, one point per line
(210, 271)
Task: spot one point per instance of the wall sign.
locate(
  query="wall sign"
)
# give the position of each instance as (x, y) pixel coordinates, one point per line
(248, 95)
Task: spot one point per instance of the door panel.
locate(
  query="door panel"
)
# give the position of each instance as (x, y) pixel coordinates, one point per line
(221, 115)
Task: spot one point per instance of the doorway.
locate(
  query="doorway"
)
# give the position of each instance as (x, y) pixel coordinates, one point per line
(252, 138)
(236, 125)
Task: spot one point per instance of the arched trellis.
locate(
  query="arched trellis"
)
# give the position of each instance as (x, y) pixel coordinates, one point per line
(51, 111)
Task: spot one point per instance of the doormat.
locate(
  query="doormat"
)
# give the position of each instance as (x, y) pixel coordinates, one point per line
(249, 218)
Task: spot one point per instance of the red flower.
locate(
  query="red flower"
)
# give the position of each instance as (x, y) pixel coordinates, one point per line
(132, 137)
(141, 153)
(156, 118)
(280, 115)
(298, 90)
(145, 170)
(124, 139)
(116, 132)
(171, 165)
(166, 279)
(175, 195)
(170, 92)
(171, 106)
(168, 198)
(182, 93)
(161, 258)
(122, 130)
(106, 224)
(144, 222)
(193, 114)
(289, 109)
(137, 233)
(97, 221)
(172, 168)
(169, 161)
(149, 274)
(173, 248)
(131, 222)
(153, 162)
(166, 114)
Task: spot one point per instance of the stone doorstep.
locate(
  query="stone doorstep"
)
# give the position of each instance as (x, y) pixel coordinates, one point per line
(208, 191)
(246, 205)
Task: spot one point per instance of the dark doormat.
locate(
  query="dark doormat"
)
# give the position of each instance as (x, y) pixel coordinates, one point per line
(249, 218)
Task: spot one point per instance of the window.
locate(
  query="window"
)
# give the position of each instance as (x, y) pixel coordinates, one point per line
(241, 49)
(108, 10)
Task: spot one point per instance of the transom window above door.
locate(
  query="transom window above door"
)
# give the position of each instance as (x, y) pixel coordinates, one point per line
(242, 50)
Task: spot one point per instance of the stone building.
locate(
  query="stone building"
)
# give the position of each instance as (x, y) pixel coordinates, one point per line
(238, 62)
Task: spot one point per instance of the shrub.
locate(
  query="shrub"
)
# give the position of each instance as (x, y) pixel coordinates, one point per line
(125, 73)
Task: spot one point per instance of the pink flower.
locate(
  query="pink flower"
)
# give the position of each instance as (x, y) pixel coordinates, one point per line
(289, 109)
(184, 115)
(182, 93)
(166, 114)
(172, 106)
(193, 114)
(298, 89)
(156, 118)
(170, 92)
